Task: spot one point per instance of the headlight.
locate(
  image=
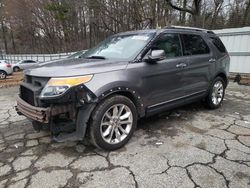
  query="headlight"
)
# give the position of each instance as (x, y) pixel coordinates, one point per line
(58, 86)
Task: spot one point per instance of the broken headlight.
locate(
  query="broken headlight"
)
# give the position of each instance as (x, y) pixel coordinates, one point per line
(58, 86)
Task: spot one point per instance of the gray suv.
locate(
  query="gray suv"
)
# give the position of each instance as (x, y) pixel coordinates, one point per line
(102, 94)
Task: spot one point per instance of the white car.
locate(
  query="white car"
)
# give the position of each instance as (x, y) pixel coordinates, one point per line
(5, 69)
(24, 64)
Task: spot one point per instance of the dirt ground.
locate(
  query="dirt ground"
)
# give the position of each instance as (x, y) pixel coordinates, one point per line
(12, 80)
(187, 147)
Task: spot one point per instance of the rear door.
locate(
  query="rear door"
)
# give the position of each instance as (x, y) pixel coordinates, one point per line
(196, 75)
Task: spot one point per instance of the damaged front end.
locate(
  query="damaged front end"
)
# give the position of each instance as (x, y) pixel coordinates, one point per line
(65, 114)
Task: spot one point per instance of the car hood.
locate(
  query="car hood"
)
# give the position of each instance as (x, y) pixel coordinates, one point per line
(75, 67)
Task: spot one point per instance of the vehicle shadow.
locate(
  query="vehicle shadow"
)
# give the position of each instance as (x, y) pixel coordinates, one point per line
(170, 119)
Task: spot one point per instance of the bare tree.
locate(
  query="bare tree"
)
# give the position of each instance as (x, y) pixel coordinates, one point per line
(3, 27)
(194, 10)
(51, 26)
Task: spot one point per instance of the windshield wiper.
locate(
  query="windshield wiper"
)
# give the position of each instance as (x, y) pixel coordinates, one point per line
(95, 57)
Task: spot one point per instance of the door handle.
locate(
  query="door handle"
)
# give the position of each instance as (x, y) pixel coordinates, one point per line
(181, 65)
(212, 60)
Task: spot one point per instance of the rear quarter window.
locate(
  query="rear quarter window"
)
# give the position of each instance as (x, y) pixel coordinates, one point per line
(218, 44)
(194, 45)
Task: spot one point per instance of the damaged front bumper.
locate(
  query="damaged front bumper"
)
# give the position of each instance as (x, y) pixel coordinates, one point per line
(46, 115)
(40, 114)
(34, 113)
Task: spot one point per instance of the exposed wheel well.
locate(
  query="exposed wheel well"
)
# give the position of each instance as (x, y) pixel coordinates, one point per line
(224, 77)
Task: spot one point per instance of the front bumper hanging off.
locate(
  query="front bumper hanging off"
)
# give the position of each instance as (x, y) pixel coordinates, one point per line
(45, 115)
(35, 113)
(40, 114)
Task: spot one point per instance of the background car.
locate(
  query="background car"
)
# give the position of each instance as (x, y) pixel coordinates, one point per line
(5, 69)
(24, 64)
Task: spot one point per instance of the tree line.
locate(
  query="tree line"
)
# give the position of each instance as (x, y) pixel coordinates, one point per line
(53, 26)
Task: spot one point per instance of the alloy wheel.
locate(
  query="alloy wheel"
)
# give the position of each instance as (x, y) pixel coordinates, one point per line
(218, 92)
(2, 75)
(116, 123)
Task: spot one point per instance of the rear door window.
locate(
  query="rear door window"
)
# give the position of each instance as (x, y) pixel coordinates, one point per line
(29, 61)
(194, 45)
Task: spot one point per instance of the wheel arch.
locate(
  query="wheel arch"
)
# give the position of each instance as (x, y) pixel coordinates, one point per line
(126, 92)
(16, 67)
(223, 76)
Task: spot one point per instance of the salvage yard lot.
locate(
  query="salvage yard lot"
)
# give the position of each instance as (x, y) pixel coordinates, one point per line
(12, 80)
(187, 147)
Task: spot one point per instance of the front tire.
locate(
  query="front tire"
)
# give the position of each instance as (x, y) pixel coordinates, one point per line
(113, 123)
(3, 75)
(216, 93)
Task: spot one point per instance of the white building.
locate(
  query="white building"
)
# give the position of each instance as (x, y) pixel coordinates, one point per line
(237, 42)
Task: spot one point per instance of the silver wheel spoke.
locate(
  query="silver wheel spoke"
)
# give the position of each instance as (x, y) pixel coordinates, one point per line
(111, 135)
(105, 123)
(107, 131)
(125, 122)
(115, 111)
(108, 115)
(120, 110)
(123, 130)
(117, 134)
(125, 116)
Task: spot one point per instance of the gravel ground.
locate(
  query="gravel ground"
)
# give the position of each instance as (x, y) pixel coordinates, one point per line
(187, 147)
(12, 80)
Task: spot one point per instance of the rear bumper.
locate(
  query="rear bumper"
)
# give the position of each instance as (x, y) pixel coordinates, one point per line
(35, 113)
(9, 71)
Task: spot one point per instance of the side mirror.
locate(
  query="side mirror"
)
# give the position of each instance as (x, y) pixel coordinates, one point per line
(156, 55)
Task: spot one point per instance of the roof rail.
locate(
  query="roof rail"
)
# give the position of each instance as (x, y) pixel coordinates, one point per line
(188, 28)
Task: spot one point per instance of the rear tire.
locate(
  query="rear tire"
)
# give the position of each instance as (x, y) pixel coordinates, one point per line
(16, 69)
(3, 75)
(216, 93)
(113, 123)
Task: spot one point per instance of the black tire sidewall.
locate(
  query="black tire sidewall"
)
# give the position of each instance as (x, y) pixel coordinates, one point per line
(209, 101)
(96, 119)
(16, 69)
(4, 74)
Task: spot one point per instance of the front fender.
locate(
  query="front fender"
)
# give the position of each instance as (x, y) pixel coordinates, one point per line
(105, 84)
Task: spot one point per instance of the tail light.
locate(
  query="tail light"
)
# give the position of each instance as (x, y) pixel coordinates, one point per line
(8, 65)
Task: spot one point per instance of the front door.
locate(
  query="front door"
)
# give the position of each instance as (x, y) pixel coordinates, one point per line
(162, 80)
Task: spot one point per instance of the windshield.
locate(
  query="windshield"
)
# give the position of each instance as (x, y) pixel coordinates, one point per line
(120, 46)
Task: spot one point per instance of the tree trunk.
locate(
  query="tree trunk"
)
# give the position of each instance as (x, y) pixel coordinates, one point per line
(4, 37)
